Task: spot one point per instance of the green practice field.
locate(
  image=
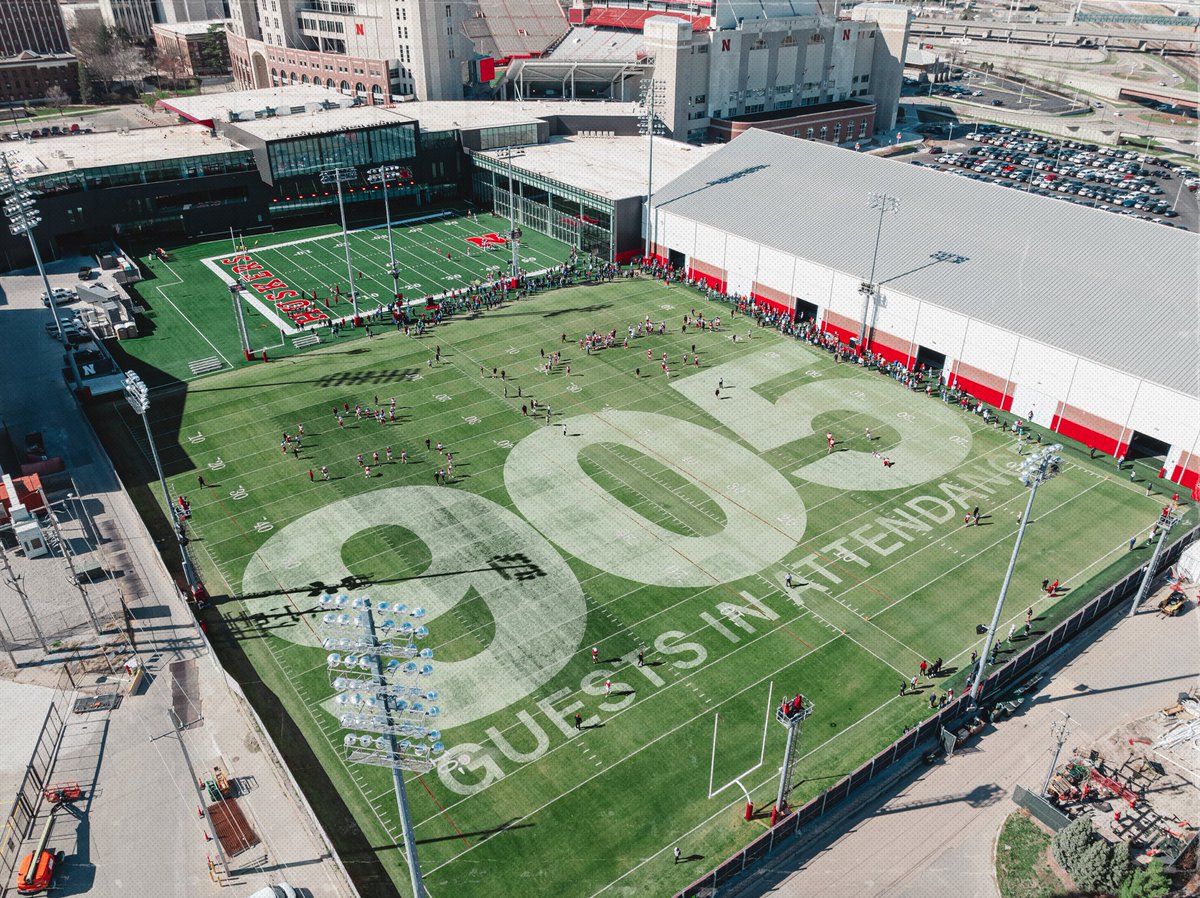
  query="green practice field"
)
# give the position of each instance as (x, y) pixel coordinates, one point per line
(190, 315)
(651, 512)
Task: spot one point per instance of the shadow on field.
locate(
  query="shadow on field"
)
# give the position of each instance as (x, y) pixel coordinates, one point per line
(482, 834)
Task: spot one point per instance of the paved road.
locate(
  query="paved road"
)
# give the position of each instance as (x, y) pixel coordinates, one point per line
(140, 832)
(933, 831)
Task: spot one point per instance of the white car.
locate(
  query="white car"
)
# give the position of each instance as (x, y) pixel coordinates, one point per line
(61, 295)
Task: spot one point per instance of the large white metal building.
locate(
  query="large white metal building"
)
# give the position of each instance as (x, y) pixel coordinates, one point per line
(1084, 321)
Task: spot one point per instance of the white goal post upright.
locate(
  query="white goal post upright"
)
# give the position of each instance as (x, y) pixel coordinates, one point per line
(762, 754)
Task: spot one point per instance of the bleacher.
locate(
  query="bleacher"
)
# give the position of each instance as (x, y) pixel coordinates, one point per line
(634, 19)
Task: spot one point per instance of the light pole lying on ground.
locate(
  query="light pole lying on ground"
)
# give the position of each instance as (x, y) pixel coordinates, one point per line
(340, 176)
(381, 176)
(23, 217)
(1035, 470)
(378, 692)
(138, 396)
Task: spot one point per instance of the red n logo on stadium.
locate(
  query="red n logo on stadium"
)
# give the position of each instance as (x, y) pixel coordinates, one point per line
(845, 34)
(358, 29)
(725, 45)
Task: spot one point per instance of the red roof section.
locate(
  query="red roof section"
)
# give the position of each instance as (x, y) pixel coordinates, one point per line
(634, 19)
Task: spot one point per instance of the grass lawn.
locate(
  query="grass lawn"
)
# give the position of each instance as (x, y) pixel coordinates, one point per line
(648, 512)
(1022, 868)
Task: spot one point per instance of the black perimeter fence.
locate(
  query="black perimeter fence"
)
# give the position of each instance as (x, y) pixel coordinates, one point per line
(711, 883)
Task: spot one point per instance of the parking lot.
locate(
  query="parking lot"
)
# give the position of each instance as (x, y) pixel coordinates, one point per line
(984, 89)
(1117, 180)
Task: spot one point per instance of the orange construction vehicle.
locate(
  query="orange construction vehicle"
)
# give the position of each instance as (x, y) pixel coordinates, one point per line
(36, 871)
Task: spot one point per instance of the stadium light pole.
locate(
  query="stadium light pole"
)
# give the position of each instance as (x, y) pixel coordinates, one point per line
(23, 216)
(381, 176)
(1035, 470)
(513, 236)
(340, 176)
(649, 125)
(137, 394)
(1166, 521)
(884, 203)
(368, 689)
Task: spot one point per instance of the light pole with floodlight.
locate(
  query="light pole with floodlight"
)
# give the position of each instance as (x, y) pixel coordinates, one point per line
(1035, 470)
(381, 176)
(884, 203)
(138, 396)
(23, 216)
(340, 176)
(649, 124)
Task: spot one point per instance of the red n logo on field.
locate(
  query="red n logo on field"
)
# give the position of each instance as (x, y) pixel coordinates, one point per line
(725, 45)
(358, 29)
(486, 239)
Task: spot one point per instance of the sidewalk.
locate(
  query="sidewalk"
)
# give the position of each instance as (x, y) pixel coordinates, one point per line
(932, 830)
(138, 830)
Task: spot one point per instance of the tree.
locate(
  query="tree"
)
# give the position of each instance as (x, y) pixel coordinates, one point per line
(1147, 882)
(85, 84)
(1091, 869)
(1070, 842)
(1118, 868)
(171, 63)
(57, 97)
(214, 51)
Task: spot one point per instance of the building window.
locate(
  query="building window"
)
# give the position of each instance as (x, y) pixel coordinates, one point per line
(702, 49)
(862, 128)
(837, 133)
(808, 134)
(450, 54)
(788, 41)
(796, 132)
(866, 78)
(824, 133)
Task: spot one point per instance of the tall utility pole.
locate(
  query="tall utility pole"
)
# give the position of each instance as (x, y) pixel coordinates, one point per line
(14, 583)
(650, 125)
(381, 176)
(340, 176)
(138, 396)
(884, 203)
(1035, 470)
(1166, 521)
(1060, 730)
(66, 550)
(23, 217)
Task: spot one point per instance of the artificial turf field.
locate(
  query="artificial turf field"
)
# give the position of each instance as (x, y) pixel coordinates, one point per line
(189, 311)
(650, 512)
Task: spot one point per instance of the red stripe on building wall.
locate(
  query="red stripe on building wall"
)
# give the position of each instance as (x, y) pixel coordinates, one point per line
(842, 333)
(987, 394)
(889, 353)
(771, 304)
(1184, 477)
(1085, 435)
(712, 280)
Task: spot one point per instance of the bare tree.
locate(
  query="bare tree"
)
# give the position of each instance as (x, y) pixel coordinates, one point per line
(57, 97)
(172, 64)
(107, 56)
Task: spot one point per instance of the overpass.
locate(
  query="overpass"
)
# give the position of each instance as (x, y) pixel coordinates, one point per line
(1174, 42)
(1160, 95)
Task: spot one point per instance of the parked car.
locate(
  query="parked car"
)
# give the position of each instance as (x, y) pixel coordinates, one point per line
(61, 295)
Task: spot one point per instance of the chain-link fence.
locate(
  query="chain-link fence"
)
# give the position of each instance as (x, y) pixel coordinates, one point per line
(1004, 675)
(24, 808)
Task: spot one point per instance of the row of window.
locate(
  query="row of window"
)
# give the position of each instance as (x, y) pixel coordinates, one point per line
(321, 25)
(144, 173)
(307, 155)
(837, 131)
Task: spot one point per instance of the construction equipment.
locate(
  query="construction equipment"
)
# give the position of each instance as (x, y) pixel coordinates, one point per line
(62, 792)
(36, 871)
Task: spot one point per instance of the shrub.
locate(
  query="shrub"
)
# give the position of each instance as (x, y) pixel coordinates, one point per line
(1072, 841)
(1090, 870)
(1147, 882)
